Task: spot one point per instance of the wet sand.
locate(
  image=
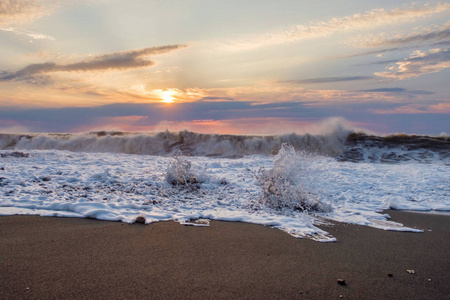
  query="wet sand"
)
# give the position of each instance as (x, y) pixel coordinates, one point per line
(64, 258)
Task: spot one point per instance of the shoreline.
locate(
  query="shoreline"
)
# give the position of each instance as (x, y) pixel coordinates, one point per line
(431, 212)
(49, 258)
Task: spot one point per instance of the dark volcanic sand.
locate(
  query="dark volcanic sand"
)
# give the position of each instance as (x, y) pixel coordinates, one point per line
(60, 258)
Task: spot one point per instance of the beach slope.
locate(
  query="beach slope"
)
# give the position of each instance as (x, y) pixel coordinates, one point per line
(61, 258)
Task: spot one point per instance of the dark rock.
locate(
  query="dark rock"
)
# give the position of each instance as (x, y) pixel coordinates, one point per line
(140, 220)
(341, 281)
(15, 154)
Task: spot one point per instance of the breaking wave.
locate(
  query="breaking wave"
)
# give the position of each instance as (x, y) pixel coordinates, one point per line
(341, 143)
(169, 143)
(395, 148)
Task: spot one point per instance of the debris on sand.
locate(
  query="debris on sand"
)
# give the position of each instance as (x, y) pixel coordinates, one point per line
(341, 281)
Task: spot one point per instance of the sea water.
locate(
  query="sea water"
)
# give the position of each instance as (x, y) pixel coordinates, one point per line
(291, 182)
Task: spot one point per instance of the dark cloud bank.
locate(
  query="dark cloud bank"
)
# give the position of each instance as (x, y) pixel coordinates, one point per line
(68, 119)
(398, 90)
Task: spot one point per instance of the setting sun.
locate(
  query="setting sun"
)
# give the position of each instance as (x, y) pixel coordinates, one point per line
(167, 96)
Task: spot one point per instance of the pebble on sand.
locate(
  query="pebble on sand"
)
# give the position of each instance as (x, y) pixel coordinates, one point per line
(140, 219)
(341, 281)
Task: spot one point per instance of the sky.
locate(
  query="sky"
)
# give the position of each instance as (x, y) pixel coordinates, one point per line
(231, 67)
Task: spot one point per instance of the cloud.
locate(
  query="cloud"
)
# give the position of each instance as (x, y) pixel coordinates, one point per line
(237, 116)
(139, 114)
(329, 79)
(367, 20)
(398, 90)
(85, 91)
(377, 52)
(439, 108)
(31, 34)
(21, 11)
(419, 63)
(386, 90)
(126, 60)
(439, 37)
(263, 93)
(18, 7)
(381, 62)
(272, 93)
(424, 35)
(13, 12)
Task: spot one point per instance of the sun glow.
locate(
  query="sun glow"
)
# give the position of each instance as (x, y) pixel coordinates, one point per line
(167, 96)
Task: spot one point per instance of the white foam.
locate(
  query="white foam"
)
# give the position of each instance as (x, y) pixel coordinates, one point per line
(121, 187)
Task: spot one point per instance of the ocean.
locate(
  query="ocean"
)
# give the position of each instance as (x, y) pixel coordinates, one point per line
(291, 182)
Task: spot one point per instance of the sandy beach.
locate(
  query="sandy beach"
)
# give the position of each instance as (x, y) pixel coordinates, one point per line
(69, 258)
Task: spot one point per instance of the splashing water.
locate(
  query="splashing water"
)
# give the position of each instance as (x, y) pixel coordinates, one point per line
(290, 183)
(179, 172)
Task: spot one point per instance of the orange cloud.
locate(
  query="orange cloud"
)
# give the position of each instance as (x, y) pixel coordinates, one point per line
(419, 63)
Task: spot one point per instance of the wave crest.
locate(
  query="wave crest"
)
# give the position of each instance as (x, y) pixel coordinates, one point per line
(169, 143)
